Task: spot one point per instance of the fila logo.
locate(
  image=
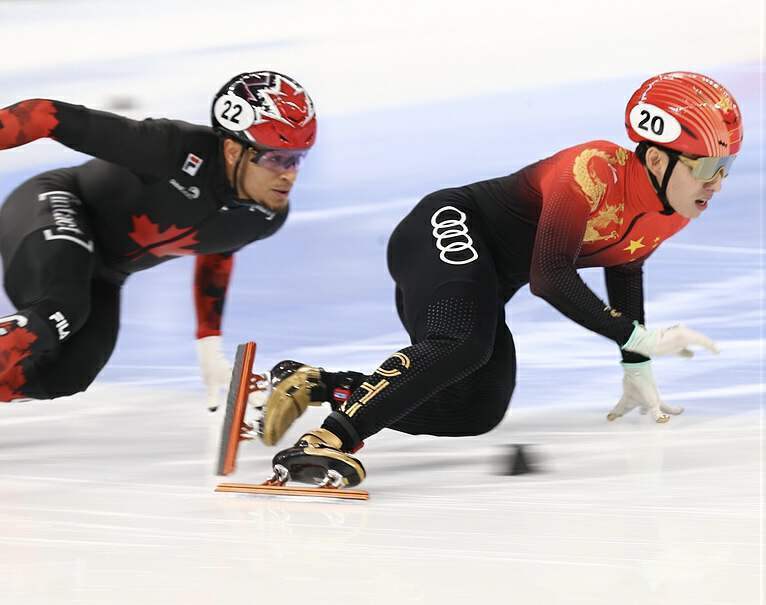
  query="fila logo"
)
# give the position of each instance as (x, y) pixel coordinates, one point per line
(192, 164)
(452, 239)
(62, 325)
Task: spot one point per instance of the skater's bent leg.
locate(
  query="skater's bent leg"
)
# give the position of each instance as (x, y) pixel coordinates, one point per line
(454, 336)
(447, 298)
(85, 355)
(473, 405)
(49, 281)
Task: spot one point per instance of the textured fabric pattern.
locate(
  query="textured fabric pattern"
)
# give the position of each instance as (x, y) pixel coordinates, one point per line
(625, 286)
(448, 349)
(212, 273)
(474, 404)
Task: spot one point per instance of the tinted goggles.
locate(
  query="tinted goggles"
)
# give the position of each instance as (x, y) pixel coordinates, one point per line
(708, 168)
(278, 160)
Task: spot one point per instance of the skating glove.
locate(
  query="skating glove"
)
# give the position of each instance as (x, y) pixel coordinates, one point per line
(640, 391)
(675, 340)
(215, 368)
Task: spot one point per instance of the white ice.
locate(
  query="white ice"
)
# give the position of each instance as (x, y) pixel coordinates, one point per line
(107, 497)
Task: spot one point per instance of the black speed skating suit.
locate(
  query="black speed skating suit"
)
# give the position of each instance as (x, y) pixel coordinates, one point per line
(70, 237)
(460, 255)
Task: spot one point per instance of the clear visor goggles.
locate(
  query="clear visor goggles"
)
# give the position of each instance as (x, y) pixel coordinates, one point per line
(708, 168)
(278, 160)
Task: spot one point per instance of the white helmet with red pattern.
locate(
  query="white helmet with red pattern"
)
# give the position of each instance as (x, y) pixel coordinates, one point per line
(265, 110)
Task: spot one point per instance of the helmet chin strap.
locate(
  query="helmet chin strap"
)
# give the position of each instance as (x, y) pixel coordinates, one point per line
(238, 175)
(239, 185)
(662, 189)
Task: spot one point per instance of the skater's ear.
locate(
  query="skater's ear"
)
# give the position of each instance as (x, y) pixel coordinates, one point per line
(231, 152)
(656, 162)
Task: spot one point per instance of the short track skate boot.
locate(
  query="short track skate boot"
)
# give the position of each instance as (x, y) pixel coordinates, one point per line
(317, 458)
(294, 387)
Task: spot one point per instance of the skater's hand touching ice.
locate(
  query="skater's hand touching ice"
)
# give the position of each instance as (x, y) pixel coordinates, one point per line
(674, 340)
(215, 368)
(640, 391)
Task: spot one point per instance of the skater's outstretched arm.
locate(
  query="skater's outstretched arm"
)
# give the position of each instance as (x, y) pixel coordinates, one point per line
(26, 121)
(212, 274)
(149, 147)
(211, 280)
(625, 287)
(553, 275)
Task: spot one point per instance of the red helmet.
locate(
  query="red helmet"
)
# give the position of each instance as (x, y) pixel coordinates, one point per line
(265, 109)
(686, 112)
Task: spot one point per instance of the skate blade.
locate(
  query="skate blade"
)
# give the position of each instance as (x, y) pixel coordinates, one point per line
(235, 429)
(283, 490)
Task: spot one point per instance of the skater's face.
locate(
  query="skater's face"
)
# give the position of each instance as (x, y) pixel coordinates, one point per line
(687, 195)
(264, 177)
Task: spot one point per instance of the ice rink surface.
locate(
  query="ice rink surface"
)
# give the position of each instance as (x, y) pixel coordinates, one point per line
(107, 497)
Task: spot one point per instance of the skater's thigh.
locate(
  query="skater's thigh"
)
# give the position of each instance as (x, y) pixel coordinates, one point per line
(41, 269)
(51, 279)
(82, 357)
(47, 250)
(40, 205)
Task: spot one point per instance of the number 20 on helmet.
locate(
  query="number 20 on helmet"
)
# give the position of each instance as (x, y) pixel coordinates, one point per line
(690, 114)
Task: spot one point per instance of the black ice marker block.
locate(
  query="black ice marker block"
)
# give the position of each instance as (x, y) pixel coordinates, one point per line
(519, 460)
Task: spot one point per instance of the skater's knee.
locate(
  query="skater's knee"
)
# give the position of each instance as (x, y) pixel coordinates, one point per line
(464, 352)
(476, 350)
(477, 424)
(68, 313)
(484, 424)
(62, 316)
(56, 386)
(466, 427)
(486, 408)
(36, 380)
(52, 375)
(18, 372)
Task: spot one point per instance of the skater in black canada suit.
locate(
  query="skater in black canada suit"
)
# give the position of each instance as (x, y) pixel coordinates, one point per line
(157, 189)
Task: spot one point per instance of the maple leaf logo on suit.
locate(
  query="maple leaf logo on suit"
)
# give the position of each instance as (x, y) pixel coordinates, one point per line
(173, 241)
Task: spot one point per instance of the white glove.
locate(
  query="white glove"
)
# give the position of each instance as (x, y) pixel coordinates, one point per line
(639, 390)
(675, 340)
(216, 370)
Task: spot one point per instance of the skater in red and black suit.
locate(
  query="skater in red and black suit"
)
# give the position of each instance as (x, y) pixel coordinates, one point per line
(461, 254)
(158, 189)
